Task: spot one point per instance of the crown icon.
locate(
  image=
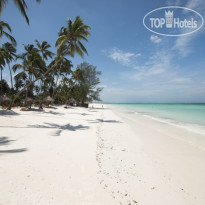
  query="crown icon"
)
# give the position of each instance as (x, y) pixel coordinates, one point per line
(169, 18)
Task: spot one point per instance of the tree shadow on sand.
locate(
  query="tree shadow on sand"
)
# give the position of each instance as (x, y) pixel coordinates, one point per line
(54, 113)
(46, 112)
(60, 128)
(5, 141)
(106, 121)
(13, 151)
(7, 112)
(83, 114)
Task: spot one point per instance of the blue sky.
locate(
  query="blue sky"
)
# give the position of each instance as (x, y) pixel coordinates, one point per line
(137, 65)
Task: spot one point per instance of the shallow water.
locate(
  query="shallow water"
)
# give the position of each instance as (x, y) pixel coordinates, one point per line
(188, 116)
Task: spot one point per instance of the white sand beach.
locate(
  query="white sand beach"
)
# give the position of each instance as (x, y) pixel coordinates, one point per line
(96, 156)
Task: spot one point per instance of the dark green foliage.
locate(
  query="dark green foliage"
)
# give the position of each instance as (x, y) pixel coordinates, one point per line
(87, 78)
(5, 89)
(37, 79)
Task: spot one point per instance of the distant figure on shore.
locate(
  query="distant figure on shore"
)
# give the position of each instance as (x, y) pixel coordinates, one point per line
(102, 106)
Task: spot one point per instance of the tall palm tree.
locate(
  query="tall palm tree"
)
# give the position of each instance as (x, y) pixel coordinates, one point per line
(32, 61)
(21, 4)
(20, 80)
(68, 43)
(31, 66)
(4, 26)
(45, 53)
(10, 55)
(43, 48)
(2, 64)
(63, 68)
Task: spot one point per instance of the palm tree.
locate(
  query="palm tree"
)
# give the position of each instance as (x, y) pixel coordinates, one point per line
(63, 68)
(45, 53)
(2, 64)
(4, 26)
(31, 66)
(68, 43)
(21, 4)
(43, 48)
(10, 54)
(20, 80)
(32, 61)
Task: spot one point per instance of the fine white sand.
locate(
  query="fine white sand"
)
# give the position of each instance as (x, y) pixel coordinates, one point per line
(97, 156)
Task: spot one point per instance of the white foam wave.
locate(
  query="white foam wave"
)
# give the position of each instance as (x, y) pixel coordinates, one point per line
(190, 127)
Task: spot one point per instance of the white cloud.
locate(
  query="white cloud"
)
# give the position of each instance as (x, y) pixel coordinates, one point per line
(125, 58)
(103, 86)
(183, 43)
(155, 39)
(196, 4)
(157, 64)
(181, 80)
(114, 94)
(175, 3)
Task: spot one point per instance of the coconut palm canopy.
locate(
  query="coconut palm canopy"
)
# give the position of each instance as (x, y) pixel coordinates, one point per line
(68, 43)
(34, 76)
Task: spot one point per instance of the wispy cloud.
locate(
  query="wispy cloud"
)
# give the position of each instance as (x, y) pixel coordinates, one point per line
(171, 3)
(125, 58)
(155, 39)
(181, 80)
(196, 4)
(157, 64)
(183, 44)
(103, 86)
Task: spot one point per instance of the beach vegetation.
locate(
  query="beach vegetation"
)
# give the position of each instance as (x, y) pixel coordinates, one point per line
(38, 73)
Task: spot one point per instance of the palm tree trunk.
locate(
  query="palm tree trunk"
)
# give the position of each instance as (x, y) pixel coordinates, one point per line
(29, 84)
(1, 83)
(41, 85)
(12, 86)
(41, 98)
(26, 97)
(54, 90)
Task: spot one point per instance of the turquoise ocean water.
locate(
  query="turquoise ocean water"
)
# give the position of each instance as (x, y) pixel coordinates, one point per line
(188, 116)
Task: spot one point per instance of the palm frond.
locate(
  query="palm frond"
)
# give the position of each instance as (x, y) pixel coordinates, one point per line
(11, 38)
(82, 47)
(79, 51)
(2, 4)
(21, 4)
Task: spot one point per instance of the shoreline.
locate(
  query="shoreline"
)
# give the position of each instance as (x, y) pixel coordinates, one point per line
(98, 156)
(182, 131)
(176, 153)
(155, 113)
